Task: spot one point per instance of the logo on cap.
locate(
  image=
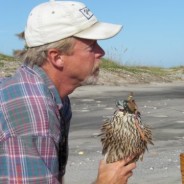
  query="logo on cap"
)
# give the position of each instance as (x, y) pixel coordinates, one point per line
(86, 12)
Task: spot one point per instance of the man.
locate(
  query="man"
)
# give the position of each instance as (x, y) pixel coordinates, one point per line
(62, 54)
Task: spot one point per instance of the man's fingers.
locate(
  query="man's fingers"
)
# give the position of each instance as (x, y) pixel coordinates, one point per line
(126, 161)
(128, 175)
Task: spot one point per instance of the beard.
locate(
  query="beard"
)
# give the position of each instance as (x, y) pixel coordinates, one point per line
(92, 79)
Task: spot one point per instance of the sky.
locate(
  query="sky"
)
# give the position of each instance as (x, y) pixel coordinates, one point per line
(152, 34)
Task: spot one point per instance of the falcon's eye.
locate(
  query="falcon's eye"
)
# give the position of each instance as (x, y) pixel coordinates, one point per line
(125, 103)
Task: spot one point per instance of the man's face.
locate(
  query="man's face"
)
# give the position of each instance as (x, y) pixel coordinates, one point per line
(83, 63)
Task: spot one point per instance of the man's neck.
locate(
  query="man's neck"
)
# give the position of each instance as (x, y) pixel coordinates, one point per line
(62, 82)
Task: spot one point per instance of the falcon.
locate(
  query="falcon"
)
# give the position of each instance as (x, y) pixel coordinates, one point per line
(125, 134)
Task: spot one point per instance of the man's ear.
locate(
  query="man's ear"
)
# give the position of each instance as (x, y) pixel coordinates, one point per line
(55, 58)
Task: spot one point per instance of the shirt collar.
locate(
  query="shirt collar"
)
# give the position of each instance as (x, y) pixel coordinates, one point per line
(42, 74)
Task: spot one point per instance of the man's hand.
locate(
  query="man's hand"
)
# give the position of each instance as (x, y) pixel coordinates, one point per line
(115, 173)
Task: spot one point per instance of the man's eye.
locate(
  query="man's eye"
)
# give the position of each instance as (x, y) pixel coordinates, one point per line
(91, 47)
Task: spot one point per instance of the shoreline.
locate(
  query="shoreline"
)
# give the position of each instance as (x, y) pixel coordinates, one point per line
(95, 90)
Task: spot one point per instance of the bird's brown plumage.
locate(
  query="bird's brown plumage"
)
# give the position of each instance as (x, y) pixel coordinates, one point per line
(124, 134)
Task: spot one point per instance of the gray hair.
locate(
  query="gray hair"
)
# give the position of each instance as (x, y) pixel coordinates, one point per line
(38, 55)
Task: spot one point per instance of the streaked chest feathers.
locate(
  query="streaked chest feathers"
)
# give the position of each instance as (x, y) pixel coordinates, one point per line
(124, 134)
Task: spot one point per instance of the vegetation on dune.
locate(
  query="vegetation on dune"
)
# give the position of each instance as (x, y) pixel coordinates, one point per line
(114, 66)
(6, 57)
(137, 74)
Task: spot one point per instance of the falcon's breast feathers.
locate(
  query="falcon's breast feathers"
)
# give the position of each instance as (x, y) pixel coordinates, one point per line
(124, 134)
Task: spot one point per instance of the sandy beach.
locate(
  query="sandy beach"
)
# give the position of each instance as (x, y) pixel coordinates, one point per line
(162, 108)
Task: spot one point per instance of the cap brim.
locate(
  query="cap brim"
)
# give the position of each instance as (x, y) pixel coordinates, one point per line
(100, 31)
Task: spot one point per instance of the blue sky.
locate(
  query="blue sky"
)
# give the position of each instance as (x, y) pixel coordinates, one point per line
(152, 35)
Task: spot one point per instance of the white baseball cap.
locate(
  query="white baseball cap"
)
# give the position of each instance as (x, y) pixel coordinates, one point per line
(56, 20)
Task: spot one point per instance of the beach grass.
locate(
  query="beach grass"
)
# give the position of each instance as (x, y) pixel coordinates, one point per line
(110, 65)
(5, 57)
(114, 66)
